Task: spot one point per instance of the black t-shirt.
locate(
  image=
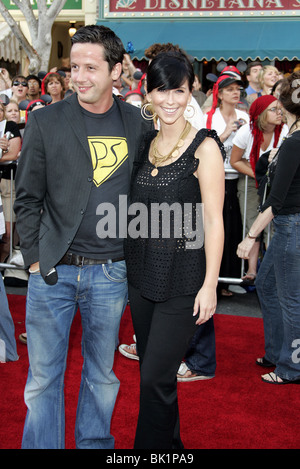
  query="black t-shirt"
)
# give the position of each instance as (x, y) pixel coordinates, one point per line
(99, 236)
(284, 197)
(13, 128)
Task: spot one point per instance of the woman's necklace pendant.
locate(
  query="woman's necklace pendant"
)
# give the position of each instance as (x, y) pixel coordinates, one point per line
(154, 172)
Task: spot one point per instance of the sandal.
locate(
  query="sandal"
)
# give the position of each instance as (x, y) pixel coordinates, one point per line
(23, 338)
(249, 279)
(274, 379)
(264, 362)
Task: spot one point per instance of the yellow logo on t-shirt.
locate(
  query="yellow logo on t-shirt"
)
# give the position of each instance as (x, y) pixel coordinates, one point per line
(108, 154)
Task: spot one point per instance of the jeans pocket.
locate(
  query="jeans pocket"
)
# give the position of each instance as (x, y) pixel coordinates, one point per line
(116, 271)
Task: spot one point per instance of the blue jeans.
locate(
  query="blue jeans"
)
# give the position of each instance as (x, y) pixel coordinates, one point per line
(278, 289)
(201, 354)
(100, 292)
(7, 328)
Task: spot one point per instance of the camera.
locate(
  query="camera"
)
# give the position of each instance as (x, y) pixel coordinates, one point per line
(239, 123)
(8, 135)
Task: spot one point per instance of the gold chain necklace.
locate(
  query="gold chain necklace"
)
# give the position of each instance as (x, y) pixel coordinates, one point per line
(159, 159)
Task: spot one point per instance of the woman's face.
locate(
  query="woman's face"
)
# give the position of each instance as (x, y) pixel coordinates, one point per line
(170, 105)
(12, 112)
(277, 91)
(274, 113)
(19, 89)
(231, 94)
(270, 78)
(2, 113)
(54, 87)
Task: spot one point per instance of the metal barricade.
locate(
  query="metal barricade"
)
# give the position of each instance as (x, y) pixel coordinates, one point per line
(230, 280)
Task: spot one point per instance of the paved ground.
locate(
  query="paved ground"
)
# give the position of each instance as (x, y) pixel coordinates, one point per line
(240, 305)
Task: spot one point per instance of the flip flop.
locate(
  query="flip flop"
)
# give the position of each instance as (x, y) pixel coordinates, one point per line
(248, 279)
(264, 362)
(274, 379)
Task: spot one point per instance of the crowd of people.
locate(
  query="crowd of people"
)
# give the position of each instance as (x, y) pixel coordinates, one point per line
(113, 131)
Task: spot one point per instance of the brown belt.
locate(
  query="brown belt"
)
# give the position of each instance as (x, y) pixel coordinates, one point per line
(74, 259)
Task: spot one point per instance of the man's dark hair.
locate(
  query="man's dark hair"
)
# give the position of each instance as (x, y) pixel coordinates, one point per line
(98, 34)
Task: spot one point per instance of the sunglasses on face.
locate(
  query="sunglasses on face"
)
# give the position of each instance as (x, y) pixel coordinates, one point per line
(18, 83)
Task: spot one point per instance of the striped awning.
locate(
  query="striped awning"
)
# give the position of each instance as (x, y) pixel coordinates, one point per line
(9, 45)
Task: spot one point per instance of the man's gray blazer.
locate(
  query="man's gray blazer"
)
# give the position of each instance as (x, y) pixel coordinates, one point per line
(54, 177)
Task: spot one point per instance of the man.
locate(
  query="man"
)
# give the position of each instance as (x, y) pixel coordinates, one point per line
(34, 87)
(252, 74)
(77, 157)
(65, 72)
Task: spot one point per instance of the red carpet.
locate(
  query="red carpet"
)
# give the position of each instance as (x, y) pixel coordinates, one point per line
(235, 410)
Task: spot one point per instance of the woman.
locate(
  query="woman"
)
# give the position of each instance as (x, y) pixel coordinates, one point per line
(267, 78)
(278, 279)
(12, 111)
(53, 84)
(10, 152)
(225, 119)
(19, 92)
(264, 132)
(168, 285)
(19, 88)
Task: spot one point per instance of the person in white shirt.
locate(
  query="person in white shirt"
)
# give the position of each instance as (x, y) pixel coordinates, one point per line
(265, 131)
(225, 119)
(8, 347)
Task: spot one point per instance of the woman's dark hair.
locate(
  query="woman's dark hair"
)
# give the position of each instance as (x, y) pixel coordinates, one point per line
(275, 86)
(169, 70)
(290, 93)
(98, 34)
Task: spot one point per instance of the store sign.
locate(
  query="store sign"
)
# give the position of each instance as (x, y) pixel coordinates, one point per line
(198, 8)
(69, 5)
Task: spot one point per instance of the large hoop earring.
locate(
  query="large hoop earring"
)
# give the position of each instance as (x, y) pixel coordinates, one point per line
(148, 116)
(189, 111)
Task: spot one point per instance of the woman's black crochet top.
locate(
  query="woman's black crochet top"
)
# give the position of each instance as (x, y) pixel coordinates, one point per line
(164, 248)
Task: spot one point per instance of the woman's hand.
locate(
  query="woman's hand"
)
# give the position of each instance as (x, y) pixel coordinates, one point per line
(205, 304)
(230, 127)
(4, 144)
(244, 248)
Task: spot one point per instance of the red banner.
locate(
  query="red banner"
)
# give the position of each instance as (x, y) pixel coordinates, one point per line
(188, 7)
